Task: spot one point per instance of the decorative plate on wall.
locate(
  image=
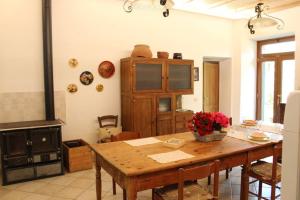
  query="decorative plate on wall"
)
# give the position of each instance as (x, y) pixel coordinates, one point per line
(99, 88)
(106, 69)
(86, 78)
(72, 88)
(73, 62)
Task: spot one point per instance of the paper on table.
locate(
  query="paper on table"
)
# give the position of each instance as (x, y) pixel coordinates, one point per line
(170, 156)
(143, 141)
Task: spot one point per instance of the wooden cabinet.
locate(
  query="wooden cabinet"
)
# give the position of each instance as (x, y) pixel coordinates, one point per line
(148, 93)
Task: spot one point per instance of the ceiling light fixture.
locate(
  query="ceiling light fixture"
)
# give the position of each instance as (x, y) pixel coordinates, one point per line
(167, 4)
(263, 20)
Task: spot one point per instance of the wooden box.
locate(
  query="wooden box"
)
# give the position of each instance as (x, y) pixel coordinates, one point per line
(77, 155)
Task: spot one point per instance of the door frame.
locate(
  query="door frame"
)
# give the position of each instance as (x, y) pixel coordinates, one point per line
(277, 58)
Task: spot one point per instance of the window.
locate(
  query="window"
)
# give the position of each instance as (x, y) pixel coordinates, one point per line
(280, 47)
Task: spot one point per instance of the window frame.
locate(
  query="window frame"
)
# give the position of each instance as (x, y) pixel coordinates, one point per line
(277, 57)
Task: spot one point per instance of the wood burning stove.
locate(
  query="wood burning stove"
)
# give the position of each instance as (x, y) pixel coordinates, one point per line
(30, 150)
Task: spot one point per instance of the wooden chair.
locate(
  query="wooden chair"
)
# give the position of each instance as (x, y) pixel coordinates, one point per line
(125, 135)
(267, 173)
(187, 188)
(108, 121)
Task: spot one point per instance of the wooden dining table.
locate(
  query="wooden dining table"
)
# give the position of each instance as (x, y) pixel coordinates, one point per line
(132, 168)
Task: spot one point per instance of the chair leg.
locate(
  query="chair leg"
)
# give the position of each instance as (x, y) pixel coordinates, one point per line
(273, 191)
(124, 194)
(114, 187)
(153, 198)
(227, 173)
(208, 180)
(259, 190)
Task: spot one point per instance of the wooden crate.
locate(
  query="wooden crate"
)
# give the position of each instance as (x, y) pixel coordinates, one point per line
(77, 155)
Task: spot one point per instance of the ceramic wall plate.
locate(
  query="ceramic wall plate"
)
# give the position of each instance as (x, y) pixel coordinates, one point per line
(73, 62)
(99, 88)
(86, 78)
(106, 69)
(72, 88)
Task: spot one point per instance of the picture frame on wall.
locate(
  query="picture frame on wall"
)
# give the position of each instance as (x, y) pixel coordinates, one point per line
(196, 73)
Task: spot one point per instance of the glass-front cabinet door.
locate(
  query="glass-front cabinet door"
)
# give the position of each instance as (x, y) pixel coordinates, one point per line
(180, 76)
(164, 104)
(148, 76)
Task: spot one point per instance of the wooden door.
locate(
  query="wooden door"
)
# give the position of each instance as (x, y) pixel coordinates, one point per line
(165, 124)
(211, 86)
(144, 115)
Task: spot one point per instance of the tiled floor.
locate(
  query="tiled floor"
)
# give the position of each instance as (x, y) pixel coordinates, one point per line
(81, 186)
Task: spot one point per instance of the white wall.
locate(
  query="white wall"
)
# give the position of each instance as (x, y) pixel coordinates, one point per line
(21, 61)
(93, 31)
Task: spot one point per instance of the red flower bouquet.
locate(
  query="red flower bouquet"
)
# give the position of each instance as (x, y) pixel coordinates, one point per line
(205, 123)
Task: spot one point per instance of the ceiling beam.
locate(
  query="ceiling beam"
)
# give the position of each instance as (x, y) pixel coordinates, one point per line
(221, 3)
(252, 5)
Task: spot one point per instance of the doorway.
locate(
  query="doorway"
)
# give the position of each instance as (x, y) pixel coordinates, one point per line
(211, 80)
(275, 77)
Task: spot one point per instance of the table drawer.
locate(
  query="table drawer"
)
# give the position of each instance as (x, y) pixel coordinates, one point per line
(260, 153)
(233, 161)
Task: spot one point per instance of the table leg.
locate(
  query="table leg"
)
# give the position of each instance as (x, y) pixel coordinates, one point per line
(245, 183)
(131, 191)
(98, 179)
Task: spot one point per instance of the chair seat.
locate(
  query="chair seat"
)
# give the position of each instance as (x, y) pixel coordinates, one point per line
(264, 169)
(191, 192)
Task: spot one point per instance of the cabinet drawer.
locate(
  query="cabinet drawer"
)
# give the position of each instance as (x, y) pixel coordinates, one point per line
(14, 175)
(181, 127)
(49, 169)
(184, 117)
(180, 118)
(16, 161)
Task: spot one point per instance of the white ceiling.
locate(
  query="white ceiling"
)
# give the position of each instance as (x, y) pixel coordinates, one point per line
(233, 9)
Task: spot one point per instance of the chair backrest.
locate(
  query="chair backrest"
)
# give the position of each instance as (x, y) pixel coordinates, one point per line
(199, 172)
(125, 135)
(230, 121)
(108, 121)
